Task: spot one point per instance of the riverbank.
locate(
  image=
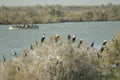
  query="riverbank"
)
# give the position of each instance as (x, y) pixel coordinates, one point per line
(64, 61)
(55, 14)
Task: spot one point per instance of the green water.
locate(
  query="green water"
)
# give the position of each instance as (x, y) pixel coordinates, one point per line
(20, 39)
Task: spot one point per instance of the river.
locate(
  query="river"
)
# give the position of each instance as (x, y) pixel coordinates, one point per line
(20, 39)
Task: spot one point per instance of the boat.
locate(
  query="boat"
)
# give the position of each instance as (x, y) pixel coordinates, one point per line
(24, 26)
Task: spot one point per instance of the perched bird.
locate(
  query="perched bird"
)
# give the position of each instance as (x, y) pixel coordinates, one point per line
(57, 38)
(103, 46)
(14, 54)
(4, 59)
(73, 38)
(102, 49)
(92, 44)
(69, 37)
(25, 54)
(31, 47)
(104, 43)
(36, 42)
(43, 38)
(80, 43)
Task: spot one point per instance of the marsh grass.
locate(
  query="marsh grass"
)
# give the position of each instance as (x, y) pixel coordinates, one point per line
(64, 61)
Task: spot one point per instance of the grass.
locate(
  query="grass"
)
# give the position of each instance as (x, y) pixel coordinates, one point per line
(64, 61)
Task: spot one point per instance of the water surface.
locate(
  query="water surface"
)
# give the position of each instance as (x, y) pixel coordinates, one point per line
(20, 39)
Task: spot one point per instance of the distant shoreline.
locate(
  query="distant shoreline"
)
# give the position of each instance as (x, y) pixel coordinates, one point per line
(60, 22)
(57, 14)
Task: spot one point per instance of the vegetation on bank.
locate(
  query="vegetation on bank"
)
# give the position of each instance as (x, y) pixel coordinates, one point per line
(57, 13)
(52, 60)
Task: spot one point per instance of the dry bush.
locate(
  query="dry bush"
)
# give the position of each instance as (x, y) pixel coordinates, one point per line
(63, 61)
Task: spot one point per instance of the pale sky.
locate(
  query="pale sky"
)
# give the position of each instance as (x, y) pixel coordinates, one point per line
(61, 2)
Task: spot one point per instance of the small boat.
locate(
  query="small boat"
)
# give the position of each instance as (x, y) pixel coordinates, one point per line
(11, 27)
(24, 26)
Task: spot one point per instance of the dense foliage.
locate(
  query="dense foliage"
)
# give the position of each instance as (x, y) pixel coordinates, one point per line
(57, 13)
(64, 61)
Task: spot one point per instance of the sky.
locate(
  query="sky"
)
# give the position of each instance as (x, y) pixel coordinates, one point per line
(56, 2)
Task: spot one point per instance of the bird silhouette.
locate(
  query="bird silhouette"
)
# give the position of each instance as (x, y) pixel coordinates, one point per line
(25, 54)
(43, 38)
(57, 38)
(69, 37)
(31, 47)
(104, 43)
(4, 59)
(73, 38)
(92, 44)
(80, 43)
(14, 54)
(102, 49)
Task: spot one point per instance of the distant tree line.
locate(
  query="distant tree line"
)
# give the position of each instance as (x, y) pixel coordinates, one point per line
(57, 13)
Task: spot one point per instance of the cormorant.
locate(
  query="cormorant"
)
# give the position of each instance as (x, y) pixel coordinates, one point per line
(102, 48)
(69, 37)
(73, 38)
(43, 38)
(31, 47)
(14, 54)
(80, 43)
(4, 59)
(92, 44)
(104, 43)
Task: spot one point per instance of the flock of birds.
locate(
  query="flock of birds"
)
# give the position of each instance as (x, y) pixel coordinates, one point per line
(56, 39)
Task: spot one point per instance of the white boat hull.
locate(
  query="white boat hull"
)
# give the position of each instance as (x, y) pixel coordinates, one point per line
(11, 27)
(23, 27)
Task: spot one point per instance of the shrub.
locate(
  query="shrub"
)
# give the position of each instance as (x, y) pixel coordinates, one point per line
(64, 61)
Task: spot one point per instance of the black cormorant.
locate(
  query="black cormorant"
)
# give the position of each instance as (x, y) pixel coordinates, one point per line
(31, 47)
(73, 38)
(104, 43)
(102, 49)
(69, 37)
(43, 38)
(92, 44)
